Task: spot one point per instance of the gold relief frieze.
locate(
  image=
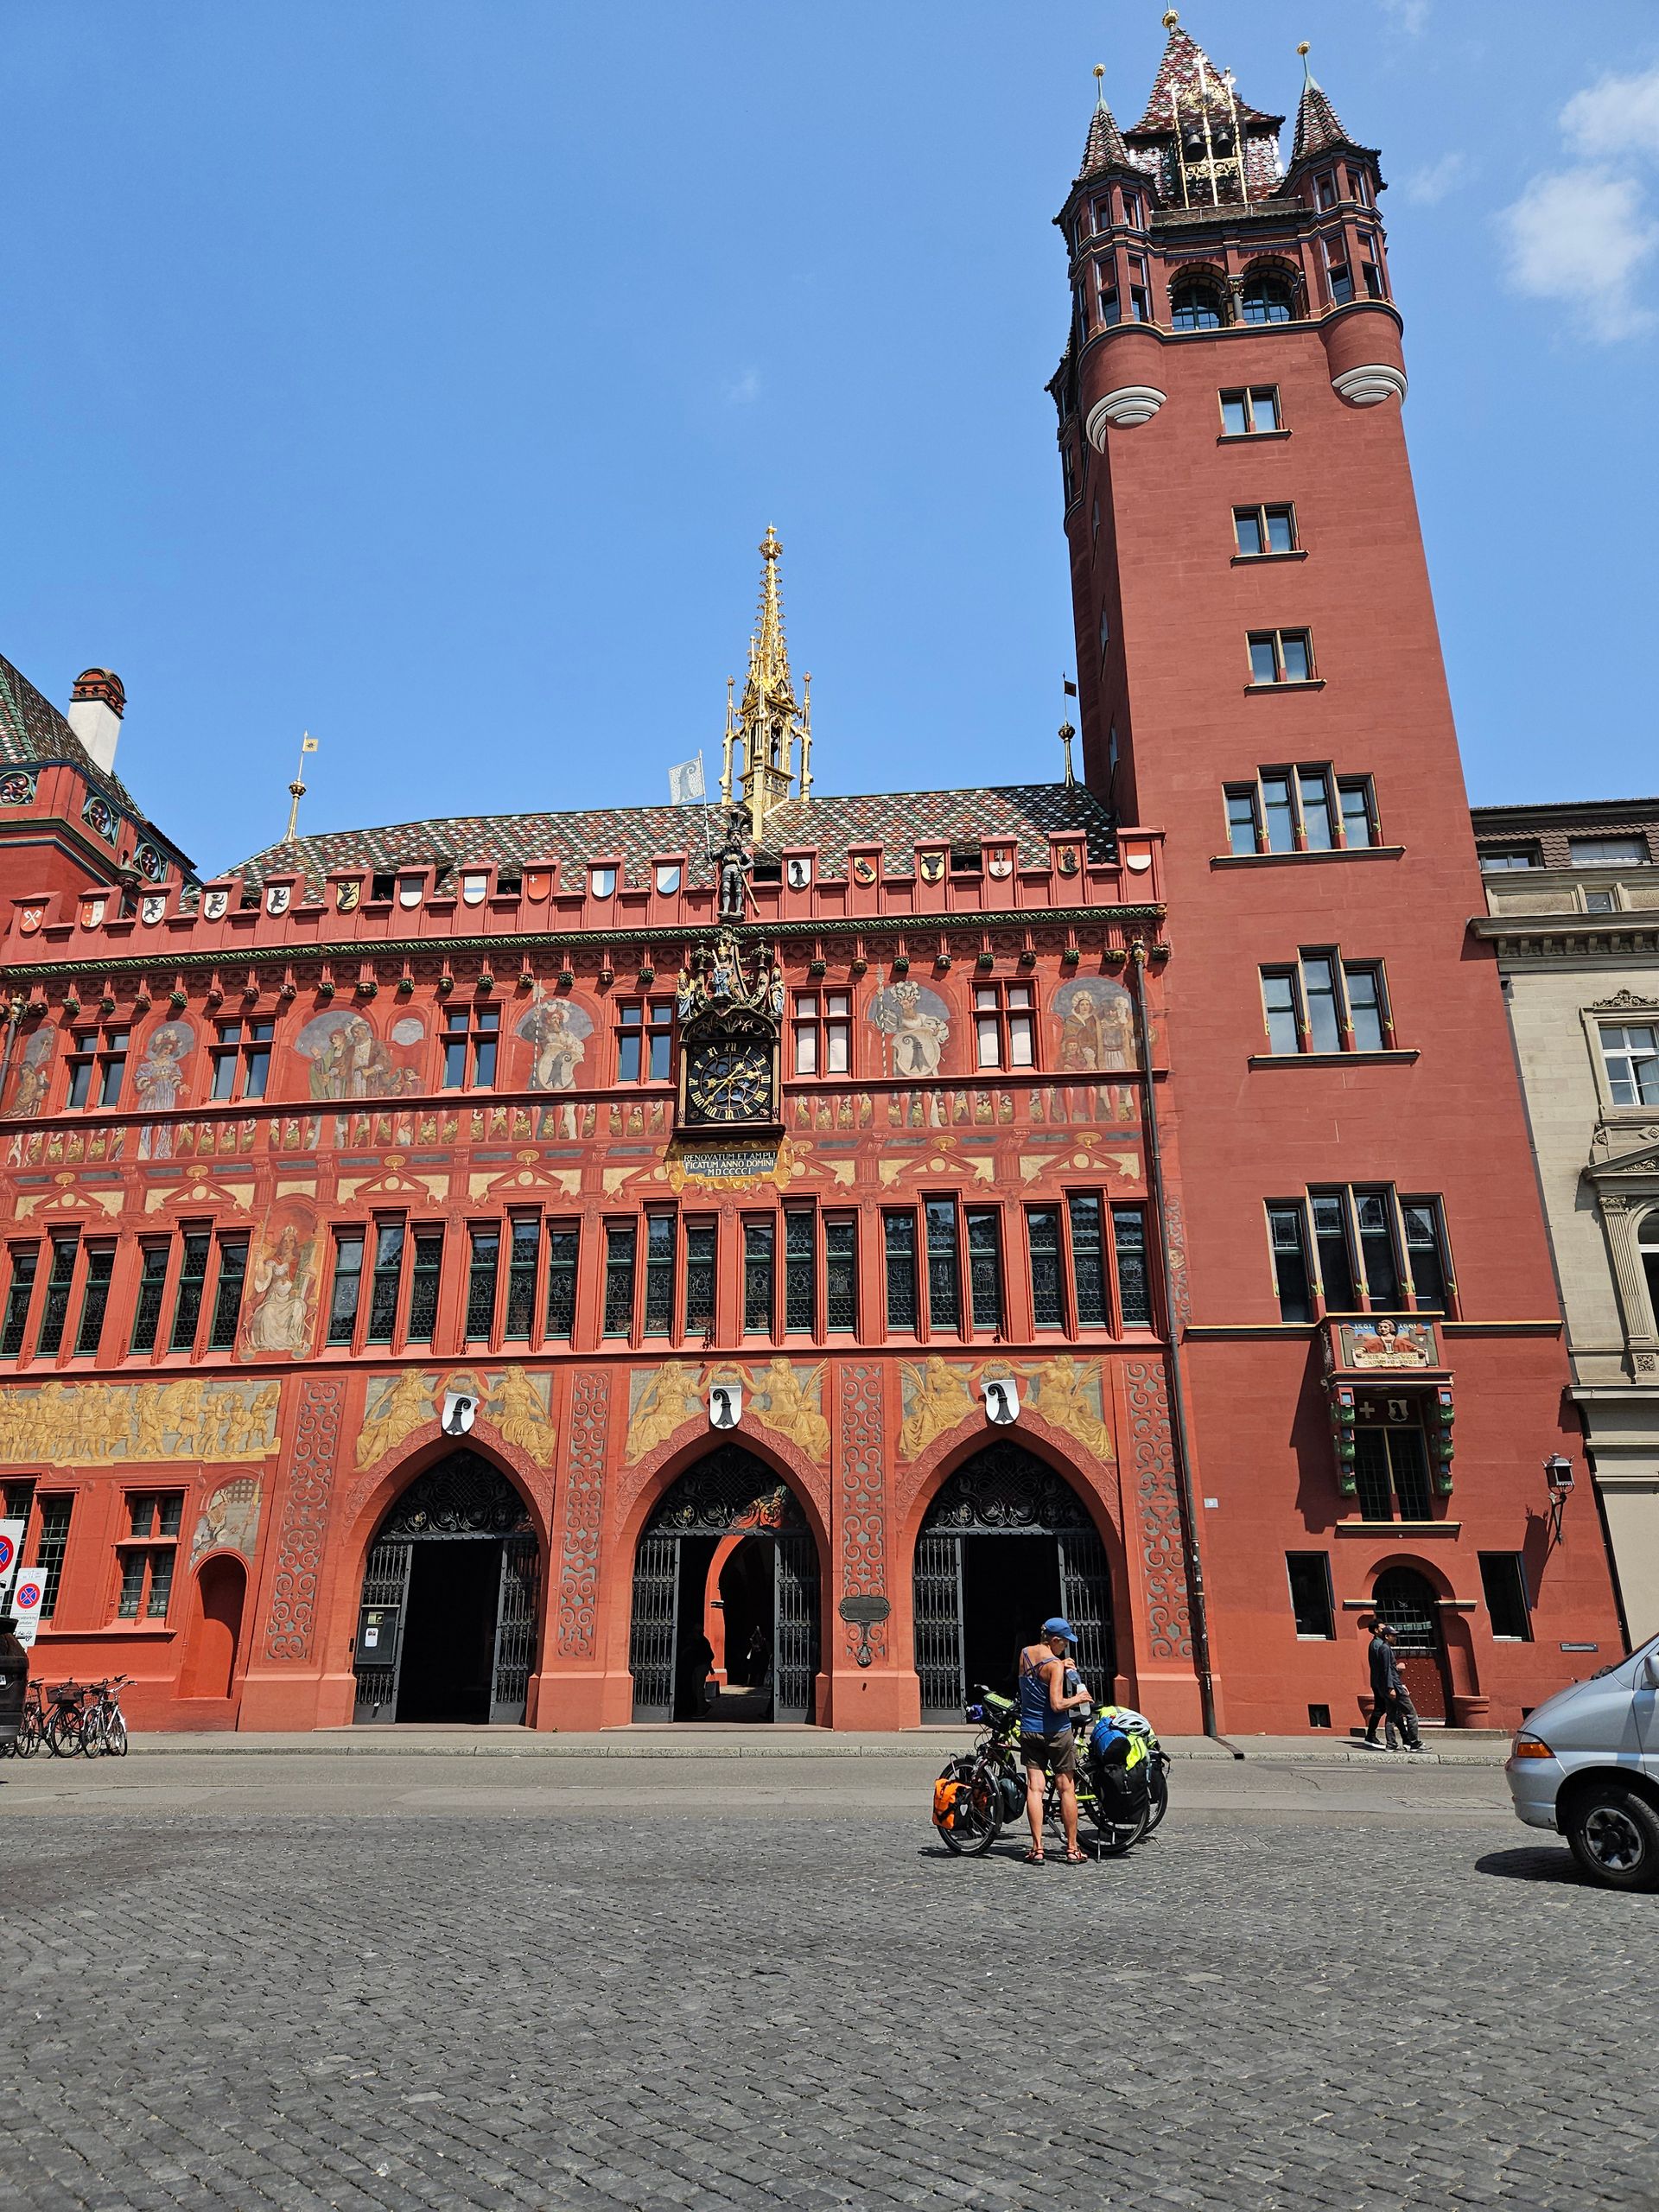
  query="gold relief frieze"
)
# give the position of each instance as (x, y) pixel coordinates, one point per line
(139, 1424)
(938, 1395)
(784, 1395)
(514, 1402)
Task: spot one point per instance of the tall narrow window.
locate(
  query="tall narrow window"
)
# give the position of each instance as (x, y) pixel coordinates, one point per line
(899, 1230)
(481, 1281)
(840, 1276)
(562, 1249)
(470, 1036)
(1280, 813)
(1364, 989)
(1134, 1277)
(1310, 1594)
(1503, 1581)
(1357, 826)
(800, 1271)
(1319, 989)
(152, 1284)
(97, 1067)
(758, 1240)
(387, 1282)
(25, 1266)
(51, 1544)
(621, 1239)
(1425, 1252)
(64, 1250)
(1335, 1250)
(700, 1279)
(347, 1285)
(1043, 1243)
(1375, 1211)
(1629, 1051)
(241, 1058)
(146, 1554)
(943, 1265)
(523, 1260)
(1283, 1015)
(660, 1231)
(227, 1293)
(1291, 1280)
(191, 1287)
(95, 1298)
(1318, 817)
(1241, 819)
(1088, 1263)
(985, 1266)
(424, 1280)
(1391, 1464)
(644, 1037)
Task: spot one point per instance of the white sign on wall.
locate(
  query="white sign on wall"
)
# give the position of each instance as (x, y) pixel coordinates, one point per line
(26, 1596)
(12, 1550)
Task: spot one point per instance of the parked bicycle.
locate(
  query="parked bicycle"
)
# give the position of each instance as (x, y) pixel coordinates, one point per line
(103, 1725)
(31, 1728)
(65, 1718)
(983, 1790)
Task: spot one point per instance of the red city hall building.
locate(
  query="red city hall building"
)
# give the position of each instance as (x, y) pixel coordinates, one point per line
(645, 1265)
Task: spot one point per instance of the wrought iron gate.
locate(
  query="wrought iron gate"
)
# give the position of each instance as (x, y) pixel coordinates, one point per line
(516, 1613)
(728, 1492)
(1006, 1490)
(461, 1497)
(939, 1659)
(795, 1619)
(654, 1635)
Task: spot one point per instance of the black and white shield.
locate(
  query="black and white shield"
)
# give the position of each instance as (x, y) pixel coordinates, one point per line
(460, 1408)
(800, 871)
(1002, 1396)
(725, 1404)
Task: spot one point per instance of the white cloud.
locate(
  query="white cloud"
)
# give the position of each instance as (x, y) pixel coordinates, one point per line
(1411, 15)
(1579, 236)
(1614, 120)
(743, 389)
(1429, 187)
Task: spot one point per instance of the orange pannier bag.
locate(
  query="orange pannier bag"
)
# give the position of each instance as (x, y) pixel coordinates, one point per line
(945, 1802)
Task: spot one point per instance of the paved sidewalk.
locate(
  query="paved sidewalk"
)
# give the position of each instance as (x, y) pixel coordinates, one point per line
(1456, 1749)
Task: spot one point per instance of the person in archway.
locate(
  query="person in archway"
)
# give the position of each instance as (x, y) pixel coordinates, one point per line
(1046, 1744)
(1391, 1702)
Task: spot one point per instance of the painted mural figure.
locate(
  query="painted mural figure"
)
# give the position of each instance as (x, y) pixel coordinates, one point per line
(34, 1077)
(1098, 1034)
(669, 1401)
(349, 1061)
(229, 1520)
(158, 1079)
(939, 1399)
(279, 1318)
(522, 1418)
(1067, 1396)
(403, 1406)
(918, 1023)
(792, 1406)
(557, 1031)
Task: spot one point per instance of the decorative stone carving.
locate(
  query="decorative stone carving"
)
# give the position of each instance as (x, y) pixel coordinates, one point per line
(1125, 408)
(1169, 1628)
(584, 1503)
(863, 1524)
(1369, 384)
(305, 1519)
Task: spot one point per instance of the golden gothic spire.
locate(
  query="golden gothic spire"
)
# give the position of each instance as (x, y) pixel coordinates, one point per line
(767, 720)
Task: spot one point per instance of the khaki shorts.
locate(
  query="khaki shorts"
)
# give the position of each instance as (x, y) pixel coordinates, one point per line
(1055, 1754)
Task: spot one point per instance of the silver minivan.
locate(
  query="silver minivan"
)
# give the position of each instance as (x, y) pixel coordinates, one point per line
(1586, 1763)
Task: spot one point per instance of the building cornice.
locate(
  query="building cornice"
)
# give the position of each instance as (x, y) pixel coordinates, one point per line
(1566, 937)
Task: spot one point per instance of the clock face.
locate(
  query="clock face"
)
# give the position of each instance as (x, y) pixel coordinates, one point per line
(729, 1082)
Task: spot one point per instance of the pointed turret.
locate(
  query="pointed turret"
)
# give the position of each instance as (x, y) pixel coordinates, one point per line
(1211, 148)
(1104, 149)
(768, 719)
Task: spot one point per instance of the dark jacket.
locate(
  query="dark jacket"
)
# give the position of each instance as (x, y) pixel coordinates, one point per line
(1385, 1668)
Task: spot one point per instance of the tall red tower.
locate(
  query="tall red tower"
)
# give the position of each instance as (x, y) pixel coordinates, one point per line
(1260, 676)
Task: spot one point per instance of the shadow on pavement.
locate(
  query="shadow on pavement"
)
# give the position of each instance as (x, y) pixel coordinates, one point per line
(1535, 1865)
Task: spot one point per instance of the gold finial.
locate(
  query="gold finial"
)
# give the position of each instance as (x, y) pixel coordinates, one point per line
(1100, 83)
(297, 789)
(1171, 19)
(1308, 67)
(768, 719)
(771, 544)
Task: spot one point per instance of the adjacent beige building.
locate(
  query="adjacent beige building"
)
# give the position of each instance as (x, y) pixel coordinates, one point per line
(1573, 908)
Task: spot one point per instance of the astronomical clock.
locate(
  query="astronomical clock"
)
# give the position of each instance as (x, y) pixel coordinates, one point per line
(730, 1006)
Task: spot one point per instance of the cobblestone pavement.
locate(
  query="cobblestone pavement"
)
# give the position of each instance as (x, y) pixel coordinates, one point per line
(652, 1995)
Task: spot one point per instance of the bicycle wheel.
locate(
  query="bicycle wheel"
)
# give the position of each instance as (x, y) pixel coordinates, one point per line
(28, 1734)
(92, 1732)
(1157, 1791)
(978, 1813)
(63, 1732)
(114, 1735)
(1114, 1834)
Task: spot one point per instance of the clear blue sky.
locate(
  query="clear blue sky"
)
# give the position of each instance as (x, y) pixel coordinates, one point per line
(425, 375)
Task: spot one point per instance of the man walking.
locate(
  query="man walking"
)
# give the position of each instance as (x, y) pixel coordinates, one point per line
(1391, 1702)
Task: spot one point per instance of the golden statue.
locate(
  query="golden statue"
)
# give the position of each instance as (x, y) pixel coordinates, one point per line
(523, 1420)
(668, 1401)
(791, 1407)
(1064, 1396)
(940, 1399)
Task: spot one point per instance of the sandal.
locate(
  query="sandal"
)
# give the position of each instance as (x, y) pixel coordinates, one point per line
(1076, 1858)
(1034, 1857)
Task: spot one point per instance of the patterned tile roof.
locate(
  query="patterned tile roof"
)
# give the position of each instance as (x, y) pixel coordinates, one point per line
(32, 730)
(1105, 149)
(1025, 813)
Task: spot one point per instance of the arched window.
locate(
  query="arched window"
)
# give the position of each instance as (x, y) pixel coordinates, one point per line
(1268, 298)
(1647, 1241)
(1195, 304)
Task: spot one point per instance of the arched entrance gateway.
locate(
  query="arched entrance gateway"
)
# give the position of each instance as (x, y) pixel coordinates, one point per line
(446, 1631)
(725, 1620)
(1005, 1542)
(1405, 1602)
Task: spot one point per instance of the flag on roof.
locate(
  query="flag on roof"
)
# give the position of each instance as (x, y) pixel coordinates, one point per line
(685, 786)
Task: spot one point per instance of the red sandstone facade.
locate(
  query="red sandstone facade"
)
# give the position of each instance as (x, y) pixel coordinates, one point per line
(392, 1224)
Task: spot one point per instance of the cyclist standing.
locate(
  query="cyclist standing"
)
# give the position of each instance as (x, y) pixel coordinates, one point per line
(1046, 1743)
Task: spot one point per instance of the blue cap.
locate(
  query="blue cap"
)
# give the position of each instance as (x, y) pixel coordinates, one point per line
(1056, 1626)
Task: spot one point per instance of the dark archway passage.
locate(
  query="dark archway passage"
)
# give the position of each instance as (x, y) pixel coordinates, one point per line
(446, 1628)
(767, 1586)
(1005, 1542)
(1405, 1600)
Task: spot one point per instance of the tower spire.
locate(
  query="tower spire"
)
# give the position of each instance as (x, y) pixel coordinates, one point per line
(1319, 127)
(768, 718)
(1104, 147)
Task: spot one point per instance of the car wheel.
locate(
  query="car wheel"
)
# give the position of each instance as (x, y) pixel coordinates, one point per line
(1614, 1833)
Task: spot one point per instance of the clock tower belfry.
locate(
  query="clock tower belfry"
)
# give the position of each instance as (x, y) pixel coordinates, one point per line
(763, 727)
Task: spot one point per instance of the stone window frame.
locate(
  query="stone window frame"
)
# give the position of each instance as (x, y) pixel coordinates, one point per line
(1625, 1006)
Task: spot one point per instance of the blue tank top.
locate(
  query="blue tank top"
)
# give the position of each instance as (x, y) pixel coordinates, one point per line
(1037, 1716)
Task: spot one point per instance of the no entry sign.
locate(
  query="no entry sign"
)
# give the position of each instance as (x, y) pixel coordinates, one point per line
(26, 1604)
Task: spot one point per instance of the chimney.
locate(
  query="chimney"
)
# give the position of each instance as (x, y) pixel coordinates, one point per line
(96, 706)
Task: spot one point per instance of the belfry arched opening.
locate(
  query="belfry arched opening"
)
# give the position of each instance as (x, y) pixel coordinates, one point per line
(1006, 1543)
(725, 1622)
(447, 1626)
